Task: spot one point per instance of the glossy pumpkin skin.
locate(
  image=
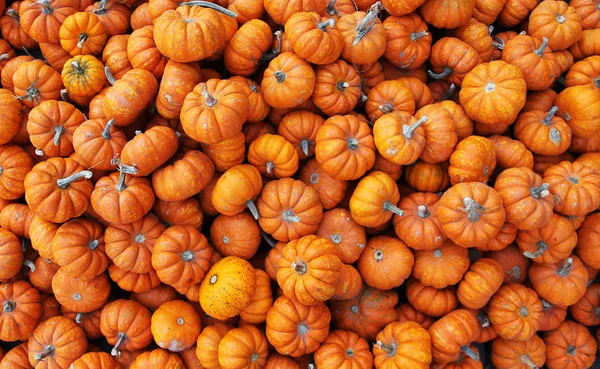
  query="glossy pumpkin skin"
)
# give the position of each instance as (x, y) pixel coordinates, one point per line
(451, 332)
(227, 288)
(64, 335)
(313, 259)
(128, 97)
(385, 263)
(515, 312)
(114, 55)
(347, 236)
(454, 260)
(374, 200)
(235, 188)
(427, 177)
(452, 57)
(175, 325)
(295, 329)
(440, 133)
(579, 113)
(399, 137)
(512, 354)
(480, 283)
(446, 15)
(473, 160)
(92, 360)
(431, 301)
(368, 48)
(572, 345)
(585, 310)
(403, 343)
(547, 281)
(290, 76)
(473, 227)
(261, 301)
(587, 235)
(419, 227)
(227, 239)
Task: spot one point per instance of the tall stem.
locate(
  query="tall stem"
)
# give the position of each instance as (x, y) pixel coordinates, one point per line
(252, 207)
(305, 145)
(328, 23)
(409, 129)
(29, 264)
(367, 23)
(393, 208)
(271, 242)
(565, 269)
(120, 339)
(109, 76)
(206, 4)
(417, 35)
(541, 248)
(526, 359)
(445, 73)
(470, 352)
(550, 115)
(101, 7)
(106, 130)
(78, 68)
(65, 182)
(540, 52)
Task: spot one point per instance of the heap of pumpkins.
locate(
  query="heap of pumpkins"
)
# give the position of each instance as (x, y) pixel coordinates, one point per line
(292, 184)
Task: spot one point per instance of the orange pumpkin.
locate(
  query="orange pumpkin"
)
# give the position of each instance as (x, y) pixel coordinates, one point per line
(56, 342)
(549, 280)
(515, 312)
(480, 283)
(385, 263)
(175, 325)
(452, 335)
(288, 81)
(375, 200)
(453, 259)
(403, 342)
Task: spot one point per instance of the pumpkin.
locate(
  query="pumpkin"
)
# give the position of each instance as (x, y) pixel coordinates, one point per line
(337, 88)
(54, 190)
(10, 68)
(57, 342)
(551, 137)
(42, 21)
(344, 349)
(440, 133)
(214, 111)
(431, 301)
(515, 264)
(470, 214)
(588, 11)
(550, 243)
(535, 60)
(114, 55)
(178, 80)
(175, 325)
(281, 11)
(447, 15)
(515, 312)
(427, 177)
(226, 154)
(300, 129)
(273, 156)
(185, 212)
(186, 177)
(367, 313)
(511, 153)
(242, 345)
(570, 345)
(515, 11)
(51, 125)
(314, 38)
(290, 76)
(452, 335)
(331, 191)
(128, 97)
(551, 281)
(574, 187)
(261, 301)
(155, 297)
(375, 200)
(17, 218)
(349, 284)
(34, 82)
(96, 360)
(253, 130)
(347, 236)
(477, 35)
(80, 295)
(259, 109)
(486, 86)
(402, 342)
(585, 311)
(473, 160)
(584, 72)
(408, 42)
(157, 359)
(295, 329)
(21, 310)
(149, 150)
(97, 142)
(227, 239)
(406, 312)
(586, 240)
(399, 137)
(540, 100)
(452, 59)
(82, 33)
(480, 283)
(558, 22)
(55, 54)
(16, 358)
(454, 260)
(227, 288)
(41, 274)
(208, 342)
(248, 47)
(364, 36)
(419, 227)
(288, 209)
(15, 163)
(387, 97)
(578, 113)
(12, 30)
(518, 354)
(126, 325)
(236, 189)
(385, 263)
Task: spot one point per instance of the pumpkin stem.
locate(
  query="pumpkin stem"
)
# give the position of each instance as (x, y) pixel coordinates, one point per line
(65, 182)
(409, 129)
(275, 51)
(352, 143)
(550, 115)
(46, 7)
(252, 207)
(445, 73)
(565, 269)
(367, 23)
(378, 255)
(336, 238)
(470, 352)
(139, 238)
(106, 130)
(109, 76)
(120, 339)
(48, 351)
(206, 4)
(350, 352)
(226, 240)
(483, 319)
(597, 82)
(78, 318)
(300, 267)
(546, 305)
(572, 350)
(524, 311)
(451, 90)
(386, 108)
(354, 309)
(64, 95)
(82, 39)
(423, 211)
(39, 152)
(268, 239)
(279, 76)
(101, 7)
(302, 329)
(498, 43)
(540, 52)
(4, 56)
(541, 248)
(526, 359)
(560, 18)
(393, 208)
(304, 145)
(78, 68)
(209, 100)
(58, 132)
(473, 209)
(9, 306)
(31, 93)
(328, 23)
(187, 255)
(270, 166)
(314, 178)
(331, 10)
(14, 15)
(342, 85)
(417, 35)
(391, 348)
(289, 217)
(93, 244)
(29, 264)
(363, 97)
(254, 357)
(490, 29)
(540, 191)
(437, 253)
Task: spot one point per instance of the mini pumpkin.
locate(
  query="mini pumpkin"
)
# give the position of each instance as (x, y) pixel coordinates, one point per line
(273, 156)
(453, 259)
(473, 160)
(515, 312)
(363, 34)
(452, 335)
(82, 33)
(175, 325)
(57, 342)
(288, 81)
(375, 200)
(570, 344)
(561, 284)
(385, 263)
(480, 283)
(574, 186)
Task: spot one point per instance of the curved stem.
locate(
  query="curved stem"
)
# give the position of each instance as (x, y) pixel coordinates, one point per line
(82, 39)
(450, 92)
(597, 82)
(470, 352)
(269, 167)
(390, 348)
(331, 10)
(31, 93)
(48, 351)
(368, 22)
(305, 145)
(109, 76)
(409, 129)
(498, 43)
(526, 359)
(388, 206)
(540, 52)
(271, 242)
(65, 182)
(541, 248)
(483, 319)
(473, 209)
(209, 100)
(565, 269)
(77, 66)
(206, 4)
(328, 23)
(546, 305)
(540, 191)
(417, 35)
(64, 95)
(58, 132)
(14, 15)
(252, 207)
(120, 339)
(46, 7)
(101, 7)
(106, 130)
(549, 116)
(447, 71)
(268, 56)
(29, 264)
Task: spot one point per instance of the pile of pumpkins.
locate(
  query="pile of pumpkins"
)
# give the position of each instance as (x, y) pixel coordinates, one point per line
(293, 184)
